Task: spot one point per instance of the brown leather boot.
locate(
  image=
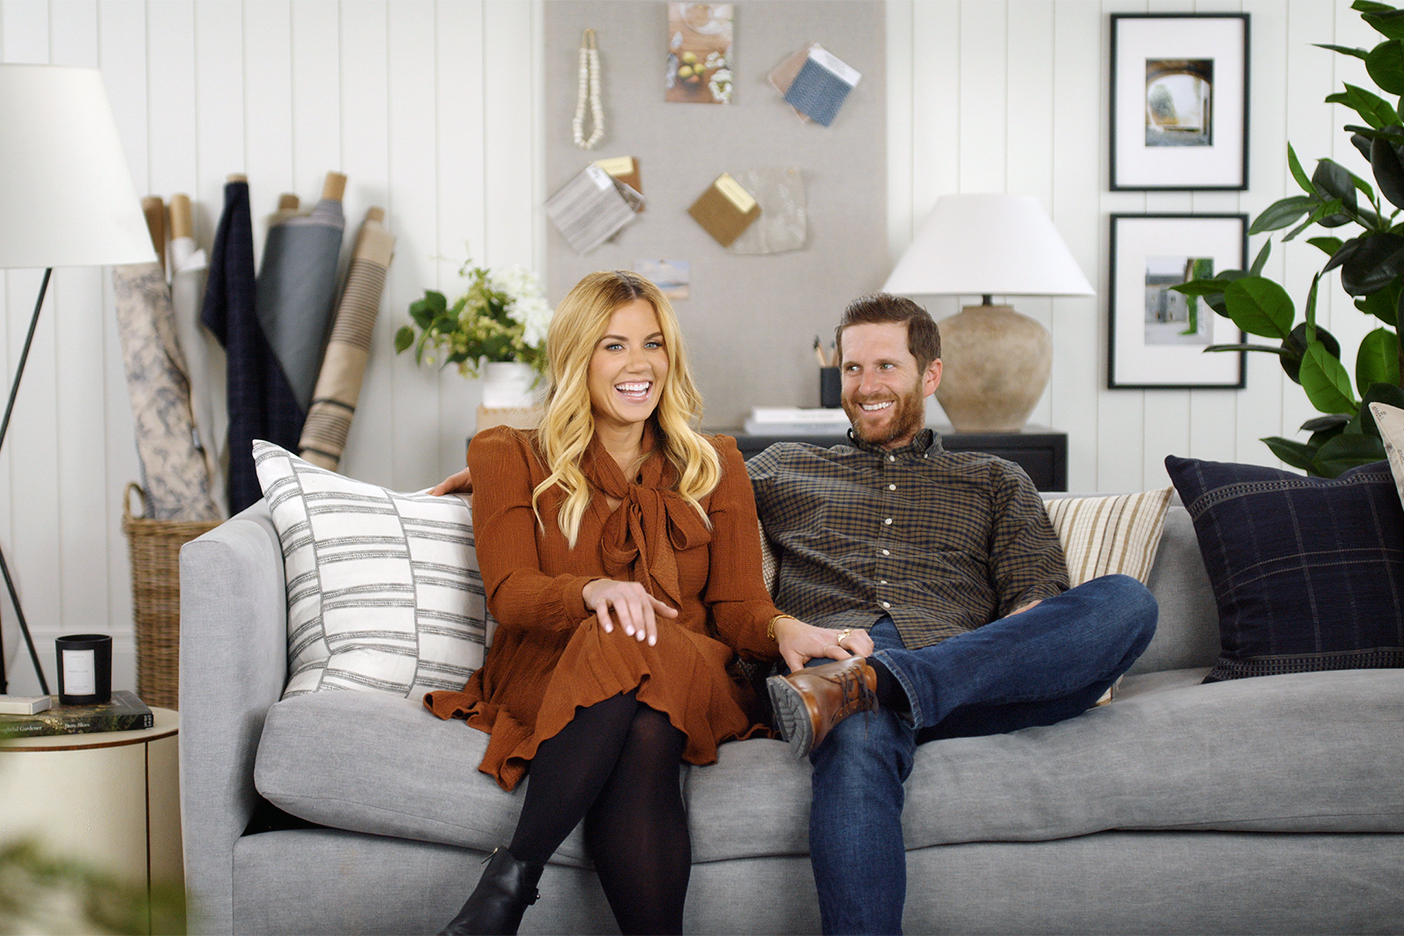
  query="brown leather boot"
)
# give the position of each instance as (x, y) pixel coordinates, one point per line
(808, 703)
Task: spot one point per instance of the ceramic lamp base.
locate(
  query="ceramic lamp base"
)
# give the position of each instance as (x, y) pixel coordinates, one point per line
(995, 365)
(527, 417)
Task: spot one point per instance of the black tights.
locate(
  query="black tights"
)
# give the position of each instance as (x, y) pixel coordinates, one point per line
(616, 767)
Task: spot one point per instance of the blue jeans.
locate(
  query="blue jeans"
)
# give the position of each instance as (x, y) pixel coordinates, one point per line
(1045, 665)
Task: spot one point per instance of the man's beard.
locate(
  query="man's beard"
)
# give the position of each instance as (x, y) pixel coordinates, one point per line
(908, 416)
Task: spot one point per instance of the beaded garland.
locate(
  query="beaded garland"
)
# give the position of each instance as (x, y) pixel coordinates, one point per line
(589, 87)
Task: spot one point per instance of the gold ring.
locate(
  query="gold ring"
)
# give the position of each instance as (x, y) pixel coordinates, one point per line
(844, 633)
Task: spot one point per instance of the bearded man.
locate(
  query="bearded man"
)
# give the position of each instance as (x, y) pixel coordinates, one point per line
(950, 587)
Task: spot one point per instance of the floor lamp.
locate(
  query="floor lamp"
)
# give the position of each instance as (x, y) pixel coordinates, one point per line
(66, 199)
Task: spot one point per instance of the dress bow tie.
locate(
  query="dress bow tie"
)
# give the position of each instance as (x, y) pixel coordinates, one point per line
(649, 526)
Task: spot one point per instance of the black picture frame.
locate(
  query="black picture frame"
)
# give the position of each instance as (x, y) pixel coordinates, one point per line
(1191, 68)
(1148, 344)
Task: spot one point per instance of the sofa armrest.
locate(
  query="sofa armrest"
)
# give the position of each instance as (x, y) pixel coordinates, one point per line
(233, 665)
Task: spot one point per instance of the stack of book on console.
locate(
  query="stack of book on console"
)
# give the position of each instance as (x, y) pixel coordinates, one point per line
(31, 717)
(796, 420)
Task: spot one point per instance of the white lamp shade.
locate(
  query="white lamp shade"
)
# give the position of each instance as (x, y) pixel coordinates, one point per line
(1002, 245)
(66, 195)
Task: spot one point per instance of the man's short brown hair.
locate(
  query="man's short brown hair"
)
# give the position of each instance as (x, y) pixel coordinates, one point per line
(923, 337)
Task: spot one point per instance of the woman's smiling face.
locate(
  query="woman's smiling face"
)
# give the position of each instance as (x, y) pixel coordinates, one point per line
(628, 367)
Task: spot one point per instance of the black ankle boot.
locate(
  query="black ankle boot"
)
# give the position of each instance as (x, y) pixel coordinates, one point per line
(506, 889)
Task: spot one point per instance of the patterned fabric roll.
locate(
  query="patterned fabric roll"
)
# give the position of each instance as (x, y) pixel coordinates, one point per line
(344, 366)
(173, 471)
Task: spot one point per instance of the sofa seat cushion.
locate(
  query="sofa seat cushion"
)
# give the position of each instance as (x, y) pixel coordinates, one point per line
(369, 762)
(1309, 752)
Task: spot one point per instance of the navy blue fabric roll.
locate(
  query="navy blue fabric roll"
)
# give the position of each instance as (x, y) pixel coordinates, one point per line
(261, 401)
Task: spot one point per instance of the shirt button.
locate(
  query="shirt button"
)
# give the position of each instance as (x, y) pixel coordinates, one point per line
(887, 604)
(892, 487)
(892, 458)
(886, 552)
(882, 581)
(887, 522)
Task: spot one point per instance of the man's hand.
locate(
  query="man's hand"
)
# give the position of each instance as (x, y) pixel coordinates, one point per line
(458, 483)
(635, 608)
(801, 642)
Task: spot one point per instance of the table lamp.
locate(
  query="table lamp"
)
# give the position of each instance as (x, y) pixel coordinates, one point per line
(995, 361)
(66, 199)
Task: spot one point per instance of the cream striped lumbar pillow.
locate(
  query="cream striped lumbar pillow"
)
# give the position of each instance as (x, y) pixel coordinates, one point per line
(1110, 535)
(384, 592)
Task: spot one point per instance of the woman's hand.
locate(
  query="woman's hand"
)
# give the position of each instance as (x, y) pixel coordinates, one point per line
(801, 642)
(635, 608)
(458, 483)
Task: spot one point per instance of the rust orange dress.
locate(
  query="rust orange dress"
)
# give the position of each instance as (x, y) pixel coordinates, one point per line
(549, 655)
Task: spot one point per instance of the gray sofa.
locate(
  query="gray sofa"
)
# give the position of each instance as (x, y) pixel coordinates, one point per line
(1268, 805)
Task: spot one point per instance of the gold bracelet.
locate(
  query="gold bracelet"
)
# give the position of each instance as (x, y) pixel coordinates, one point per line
(770, 628)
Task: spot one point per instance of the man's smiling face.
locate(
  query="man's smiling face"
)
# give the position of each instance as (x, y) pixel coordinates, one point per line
(883, 392)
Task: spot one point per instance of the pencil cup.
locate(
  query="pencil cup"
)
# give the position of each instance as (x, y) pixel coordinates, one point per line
(84, 669)
(830, 388)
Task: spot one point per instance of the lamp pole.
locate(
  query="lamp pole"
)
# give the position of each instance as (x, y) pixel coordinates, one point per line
(4, 566)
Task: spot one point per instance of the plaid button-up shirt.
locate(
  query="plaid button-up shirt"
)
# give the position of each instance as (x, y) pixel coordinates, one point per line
(944, 542)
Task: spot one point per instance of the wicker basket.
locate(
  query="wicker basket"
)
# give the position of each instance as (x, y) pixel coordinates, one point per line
(155, 555)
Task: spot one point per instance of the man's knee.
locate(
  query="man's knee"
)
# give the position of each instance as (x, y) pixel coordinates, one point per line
(866, 748)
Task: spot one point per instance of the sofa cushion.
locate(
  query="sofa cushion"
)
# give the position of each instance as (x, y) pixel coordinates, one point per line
(367, 762)
(1310, 752)
(1308, 573)
(384, 592)
(1110, 535)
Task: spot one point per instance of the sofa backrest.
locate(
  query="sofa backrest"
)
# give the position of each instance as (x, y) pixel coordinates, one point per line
(1187, 634)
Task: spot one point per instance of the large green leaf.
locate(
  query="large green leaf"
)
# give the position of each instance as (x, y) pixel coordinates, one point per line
(1282, 213)
(1346, 451)
(1389, 24)
(1371, 6)
(1326, 382)
(1297, 454)
(1376, 110)
(1389, 172)
(1334, 180)
(1298, 172)
(1344, 50)
(1294, 348)
(1327, 245)
(1377, 360)
(1260, 307)
(1261, 259)
(1383, 305)
(1385, 63)
(1376, 261)
(1389, 394)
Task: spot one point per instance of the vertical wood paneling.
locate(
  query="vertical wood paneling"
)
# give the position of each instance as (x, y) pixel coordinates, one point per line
(412, 157)
(1078, 142)
(460, 167)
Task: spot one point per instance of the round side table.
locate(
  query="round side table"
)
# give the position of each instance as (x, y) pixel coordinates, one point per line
(110, 799)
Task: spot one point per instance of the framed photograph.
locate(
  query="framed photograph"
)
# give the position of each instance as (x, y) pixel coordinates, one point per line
(1157, 337)
(1179, 101)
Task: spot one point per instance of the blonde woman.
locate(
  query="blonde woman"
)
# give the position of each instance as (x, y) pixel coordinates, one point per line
(620, 555)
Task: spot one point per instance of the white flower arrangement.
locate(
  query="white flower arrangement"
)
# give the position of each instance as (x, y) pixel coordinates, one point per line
(502, 317)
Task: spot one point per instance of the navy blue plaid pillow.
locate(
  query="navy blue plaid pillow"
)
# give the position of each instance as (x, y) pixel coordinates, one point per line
(1308, 573)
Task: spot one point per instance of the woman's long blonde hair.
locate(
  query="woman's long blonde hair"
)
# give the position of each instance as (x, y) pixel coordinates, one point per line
(568, 423)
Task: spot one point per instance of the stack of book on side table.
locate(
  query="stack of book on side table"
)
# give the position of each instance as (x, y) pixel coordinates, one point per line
(34, 716)
(796, 420)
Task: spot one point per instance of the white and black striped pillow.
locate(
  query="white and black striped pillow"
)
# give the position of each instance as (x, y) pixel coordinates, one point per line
(384, 593)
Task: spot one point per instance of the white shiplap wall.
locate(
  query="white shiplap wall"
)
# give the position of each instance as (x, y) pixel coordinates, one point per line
(433, 110)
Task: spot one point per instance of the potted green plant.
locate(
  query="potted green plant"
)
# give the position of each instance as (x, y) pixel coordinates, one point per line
(495, 329)
(1370, 258)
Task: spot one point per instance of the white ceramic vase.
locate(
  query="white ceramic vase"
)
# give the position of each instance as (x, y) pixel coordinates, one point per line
(507, 385)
